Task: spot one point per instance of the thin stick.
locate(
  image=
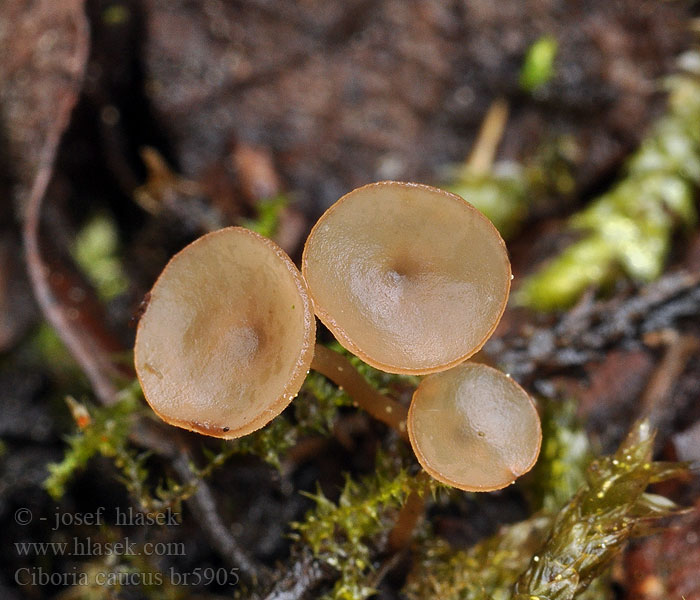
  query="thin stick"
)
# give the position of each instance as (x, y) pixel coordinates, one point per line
(300, 578)
(679, 349)
(340, 371)
(204, 508)
(492, 127)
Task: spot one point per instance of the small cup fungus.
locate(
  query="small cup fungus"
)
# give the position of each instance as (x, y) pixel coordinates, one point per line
(410, 278)
(227, 337)
(474, 428)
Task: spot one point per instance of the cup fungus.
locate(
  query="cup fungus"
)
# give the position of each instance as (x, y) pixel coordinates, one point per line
(410, 278)
(227, 337)
(474, 428)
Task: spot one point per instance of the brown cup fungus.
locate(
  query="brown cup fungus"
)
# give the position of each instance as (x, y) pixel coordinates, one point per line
(227, 337)
(474, 428)
(410, 278)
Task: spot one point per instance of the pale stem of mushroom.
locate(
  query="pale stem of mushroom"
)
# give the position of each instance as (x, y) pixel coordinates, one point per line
(340, 371)
(409, 516)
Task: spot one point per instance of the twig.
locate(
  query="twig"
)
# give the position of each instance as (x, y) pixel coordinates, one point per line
(678, 351)
(387, 567)
(203, 506)
(301, 578)
(591, 328)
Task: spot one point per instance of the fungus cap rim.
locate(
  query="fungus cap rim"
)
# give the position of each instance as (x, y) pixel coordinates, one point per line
(433, 472)
(340, 332)
(303, 357)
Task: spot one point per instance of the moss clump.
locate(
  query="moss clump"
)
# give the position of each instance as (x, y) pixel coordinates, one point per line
(565, 454)
(100, 431)
(507, 192)
(345, 534)
(501, 196)
(629, 228)
(555, 556)
(314, 410)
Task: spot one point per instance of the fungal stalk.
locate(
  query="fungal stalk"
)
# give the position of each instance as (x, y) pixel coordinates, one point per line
(340, 371)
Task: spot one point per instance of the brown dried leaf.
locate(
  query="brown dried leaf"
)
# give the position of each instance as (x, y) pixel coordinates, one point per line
(39, 86)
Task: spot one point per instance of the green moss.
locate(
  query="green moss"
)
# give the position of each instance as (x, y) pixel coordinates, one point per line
(592, 528)
(501, 197)
(486, 571)
(565, 454)
(316, 408)
(105, 431)
(629, 229)
(101, 430)
(314, 412)
(508, 191)
(268, 218)
(538, 66)
(555, 555)
(382, 381)
(345, 534)
(96, 251)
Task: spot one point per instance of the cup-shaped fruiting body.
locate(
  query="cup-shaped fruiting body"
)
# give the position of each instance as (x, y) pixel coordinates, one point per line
(227, 337)
(474, 428)
(410, 278)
